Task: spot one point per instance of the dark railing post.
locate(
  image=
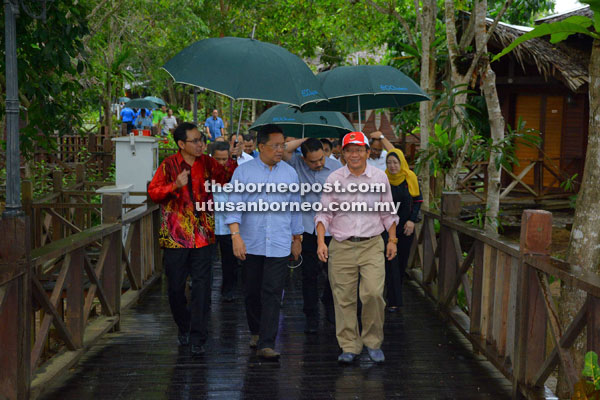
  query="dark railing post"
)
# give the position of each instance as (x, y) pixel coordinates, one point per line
(154, 232)
(112, 208)
(448, 265)
(15, 308)
(531, 318)
(57, 182)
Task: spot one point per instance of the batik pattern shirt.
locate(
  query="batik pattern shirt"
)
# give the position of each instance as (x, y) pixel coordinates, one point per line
(182, 225)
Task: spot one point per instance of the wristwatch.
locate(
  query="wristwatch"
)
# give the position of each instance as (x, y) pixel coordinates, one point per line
(297, 236)
(393, 240)
(381, 137)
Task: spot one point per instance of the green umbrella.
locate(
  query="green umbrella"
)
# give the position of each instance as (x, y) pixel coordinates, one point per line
(141, 103)
(294, 123)
(366, 87)
(246, 69)
(156, 100)
(123, 99)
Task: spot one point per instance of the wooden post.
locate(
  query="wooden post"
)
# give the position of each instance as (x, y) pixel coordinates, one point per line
(448, 264)
(79, 213)
(112, 208)
(57, 181)
(531, 318)
(27, 200)
(15, 308)
(75, 300)
(106, 157)
(154, 232)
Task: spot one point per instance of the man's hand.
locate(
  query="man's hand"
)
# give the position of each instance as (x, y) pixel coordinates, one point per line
(391, 250)
(182, 178)
(409, 228)
(237, 149)
(322, 251)
(239, 247)
(296, 248)
(375, 135)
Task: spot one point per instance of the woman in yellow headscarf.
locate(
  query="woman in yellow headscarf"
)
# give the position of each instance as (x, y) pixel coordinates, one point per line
(405, 190)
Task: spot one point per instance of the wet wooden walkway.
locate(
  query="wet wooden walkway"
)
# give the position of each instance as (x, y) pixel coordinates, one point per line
(426, 358)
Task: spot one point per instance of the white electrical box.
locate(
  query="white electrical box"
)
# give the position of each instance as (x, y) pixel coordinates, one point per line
(136, 162)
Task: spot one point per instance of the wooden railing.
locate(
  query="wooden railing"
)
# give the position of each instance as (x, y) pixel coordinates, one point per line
(508, 310)
(474, 180)
(59, 299)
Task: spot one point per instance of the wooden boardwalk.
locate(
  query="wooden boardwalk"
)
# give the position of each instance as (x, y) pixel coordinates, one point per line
(426, 358)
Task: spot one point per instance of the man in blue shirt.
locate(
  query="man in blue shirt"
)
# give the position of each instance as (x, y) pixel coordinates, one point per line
(264, 240)
(143, 120)
(127, 117)
(214, 126)
(313, 167)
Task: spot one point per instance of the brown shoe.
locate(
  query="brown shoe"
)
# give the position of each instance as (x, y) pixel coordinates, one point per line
(253, 341)
(268, 353)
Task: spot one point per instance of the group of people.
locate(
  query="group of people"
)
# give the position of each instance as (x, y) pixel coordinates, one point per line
(358, 253)
(146, 119)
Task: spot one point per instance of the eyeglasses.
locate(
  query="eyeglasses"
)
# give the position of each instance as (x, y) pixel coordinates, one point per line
(194, 141)
(279, 146)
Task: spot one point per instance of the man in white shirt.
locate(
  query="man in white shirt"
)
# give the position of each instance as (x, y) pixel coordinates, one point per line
(377, 156)
(243, 157)
(168, 123)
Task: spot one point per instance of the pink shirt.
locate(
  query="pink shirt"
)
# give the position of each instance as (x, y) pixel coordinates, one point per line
(345, 224)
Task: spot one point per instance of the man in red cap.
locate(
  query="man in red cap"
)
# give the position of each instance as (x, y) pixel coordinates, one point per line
(357, 249)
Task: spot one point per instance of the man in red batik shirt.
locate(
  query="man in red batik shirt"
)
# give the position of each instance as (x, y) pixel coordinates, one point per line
(186, 234)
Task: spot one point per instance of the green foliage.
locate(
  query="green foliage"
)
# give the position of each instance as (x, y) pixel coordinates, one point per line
(480, 217)
(558, 31)
(591, 368)
(51, 59)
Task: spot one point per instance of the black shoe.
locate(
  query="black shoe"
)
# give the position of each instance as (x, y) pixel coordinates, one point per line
(197, 349)
(184, 340)
(312, 325)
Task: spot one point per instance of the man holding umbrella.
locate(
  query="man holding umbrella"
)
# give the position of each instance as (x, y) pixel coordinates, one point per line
(312, 167)
(357, 249)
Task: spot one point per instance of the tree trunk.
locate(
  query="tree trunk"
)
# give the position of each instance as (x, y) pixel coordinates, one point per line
(584, 244)
(488, 85)
(107, 104)
(428, 63)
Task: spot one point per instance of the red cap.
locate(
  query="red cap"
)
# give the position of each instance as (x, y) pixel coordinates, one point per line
(358, 138)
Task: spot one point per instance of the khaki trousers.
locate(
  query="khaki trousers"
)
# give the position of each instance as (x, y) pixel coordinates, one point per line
(348, 260)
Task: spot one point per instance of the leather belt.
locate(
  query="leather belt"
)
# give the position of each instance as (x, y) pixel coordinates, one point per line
(359, 239)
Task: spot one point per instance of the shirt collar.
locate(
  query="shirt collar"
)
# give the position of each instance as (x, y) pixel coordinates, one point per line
(260, 162)
(368, 171)
(180, 161)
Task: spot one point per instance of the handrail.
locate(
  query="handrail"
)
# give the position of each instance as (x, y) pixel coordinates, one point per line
(78, 240)
(139, 213)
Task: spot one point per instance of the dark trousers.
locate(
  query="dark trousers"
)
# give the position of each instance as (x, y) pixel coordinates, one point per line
(179, 264)
(311, 269)
(264, 278)
(396, 267)
(228, 263)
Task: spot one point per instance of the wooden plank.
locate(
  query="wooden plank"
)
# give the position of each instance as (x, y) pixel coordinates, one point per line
(72, 242)
(487, 295)
(514, 183)
(499, 284)
(503, 307)
(566, 341)
(74, 316)
(497, 242)
(567, 358)
(476, 301)
(95, 287)
(464, 267)
(582, 279)
(39, 294)
(512, 310)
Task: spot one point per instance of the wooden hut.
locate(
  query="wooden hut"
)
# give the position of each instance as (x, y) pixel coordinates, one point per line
(546, 85)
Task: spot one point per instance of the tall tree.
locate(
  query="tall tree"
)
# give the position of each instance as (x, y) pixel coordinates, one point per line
(584, 244)
(426, 16)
